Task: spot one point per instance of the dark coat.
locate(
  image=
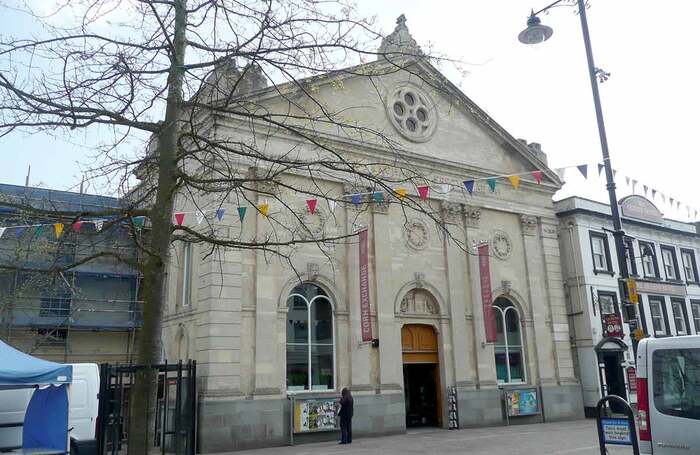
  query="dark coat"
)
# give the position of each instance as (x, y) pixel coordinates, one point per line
(346, 407)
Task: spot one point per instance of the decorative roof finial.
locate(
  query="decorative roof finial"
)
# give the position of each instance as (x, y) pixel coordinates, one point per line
(399, 43)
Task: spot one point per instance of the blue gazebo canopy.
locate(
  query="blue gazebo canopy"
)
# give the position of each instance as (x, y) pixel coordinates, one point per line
(18, 370)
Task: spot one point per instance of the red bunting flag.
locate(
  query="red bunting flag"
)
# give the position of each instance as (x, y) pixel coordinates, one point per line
(423, 191)
(179, 218)
(311, 203)
(538, 176)
(77, 225)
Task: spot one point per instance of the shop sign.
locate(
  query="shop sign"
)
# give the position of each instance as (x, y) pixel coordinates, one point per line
(632, 290)
(632, 378)
(365, 318)
(616, 431)
(612, 325)
(522, 402)
(486, 297)
(650, 287)
(318, 414)
(640, 208)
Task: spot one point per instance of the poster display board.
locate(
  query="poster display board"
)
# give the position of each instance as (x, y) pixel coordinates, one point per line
(522, 402)
(315, 414)
(616, 431)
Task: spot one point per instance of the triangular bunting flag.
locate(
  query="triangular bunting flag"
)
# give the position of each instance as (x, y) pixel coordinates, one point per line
(538, 176)
(19, 231)
(671, 201)
(614, 174)
(627, 180)
(2, 231)
(58, 229)
(199, 216)
(423, 191)
(515, 181)
(634, 185)
(311, 204)
(663, 198)
(37, 230)
(583, 169)
(138, 221)
(444, 188)
(356, 199)
(678, 205)
(646, 189)
(696, 215)
(653, 193)
(378, 196)
(179, 218)
(98, 225)
(469, 185)
(77, 225)
(401, 192)
(241, 213)
(492, 183)
(331, 205)
(600, 168)
(220, 213)
(264, 209)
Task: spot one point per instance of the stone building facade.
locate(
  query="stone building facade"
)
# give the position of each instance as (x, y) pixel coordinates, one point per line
(264, 329)
(662, 257)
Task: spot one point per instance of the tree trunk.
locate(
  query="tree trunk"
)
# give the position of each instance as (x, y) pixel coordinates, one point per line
(144, 393)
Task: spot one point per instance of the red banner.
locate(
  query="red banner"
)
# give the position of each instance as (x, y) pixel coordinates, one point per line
(486, 297)
(365, 320)
(612, 325)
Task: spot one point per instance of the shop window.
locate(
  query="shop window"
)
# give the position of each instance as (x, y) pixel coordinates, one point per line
(310, 339)
(695, 308)
(657, 315)
(510, 362)
(649, 264)
(668, 255)
(678, 311)
(601, 252)
(690, 267)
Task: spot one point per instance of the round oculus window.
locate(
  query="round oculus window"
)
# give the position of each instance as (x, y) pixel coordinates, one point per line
(412, 113)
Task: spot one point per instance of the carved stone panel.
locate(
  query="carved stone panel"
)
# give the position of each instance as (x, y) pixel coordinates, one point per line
(529, 224)
(452, 212)
(472, 215)
(417, 236)
(419, 302)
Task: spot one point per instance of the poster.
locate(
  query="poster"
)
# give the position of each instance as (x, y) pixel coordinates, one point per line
(616, 431)
(366, 322)
(522, 402)
(486, 297)
(315, 415)
(612, 325)
(632, 378)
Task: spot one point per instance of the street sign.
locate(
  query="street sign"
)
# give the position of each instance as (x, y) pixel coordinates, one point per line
(616, 431)
(632, 289)
(612, 325)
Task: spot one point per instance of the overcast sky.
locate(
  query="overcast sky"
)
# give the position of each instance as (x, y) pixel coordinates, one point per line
(540, 93)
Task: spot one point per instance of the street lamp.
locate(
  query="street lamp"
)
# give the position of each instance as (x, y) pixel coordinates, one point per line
(537, 33)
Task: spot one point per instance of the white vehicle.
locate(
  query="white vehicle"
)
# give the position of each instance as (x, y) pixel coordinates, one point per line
(82, 407)
(668, 394)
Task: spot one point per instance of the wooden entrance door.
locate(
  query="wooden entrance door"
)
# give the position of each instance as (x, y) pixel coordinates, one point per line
(419, 345)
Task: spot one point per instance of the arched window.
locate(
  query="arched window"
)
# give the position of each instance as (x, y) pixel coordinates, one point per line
(310, 342)
(510, 364)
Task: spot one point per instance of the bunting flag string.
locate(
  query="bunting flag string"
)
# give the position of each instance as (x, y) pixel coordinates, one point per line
(378, 197)
(220, 214)
(538, 176)
(241, 213)
(600, 168)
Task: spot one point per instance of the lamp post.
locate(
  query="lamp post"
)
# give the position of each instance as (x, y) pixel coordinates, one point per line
(537, 33)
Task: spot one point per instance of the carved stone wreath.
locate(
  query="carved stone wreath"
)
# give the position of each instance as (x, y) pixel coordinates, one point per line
(416, 232)
(501, 245)
(411, 112)
(311, 226)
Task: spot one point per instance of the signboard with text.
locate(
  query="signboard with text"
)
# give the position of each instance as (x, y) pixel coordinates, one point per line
(616, 431)
(612, 325)
(365, 318)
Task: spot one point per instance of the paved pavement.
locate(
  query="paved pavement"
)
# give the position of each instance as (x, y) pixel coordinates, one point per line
(566, 438)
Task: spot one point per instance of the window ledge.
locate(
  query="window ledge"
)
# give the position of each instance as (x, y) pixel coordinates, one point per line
(603, 272)
(675, 281)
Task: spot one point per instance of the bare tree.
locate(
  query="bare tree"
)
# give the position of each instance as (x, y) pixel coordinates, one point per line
(206, 85)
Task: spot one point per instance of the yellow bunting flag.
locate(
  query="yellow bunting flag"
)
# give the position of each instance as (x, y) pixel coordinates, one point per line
(401, 192)
(264, 209)
(515, 181)
(58, 228)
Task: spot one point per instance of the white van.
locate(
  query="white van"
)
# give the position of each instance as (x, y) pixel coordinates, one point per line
(668, 394)
(82, 403)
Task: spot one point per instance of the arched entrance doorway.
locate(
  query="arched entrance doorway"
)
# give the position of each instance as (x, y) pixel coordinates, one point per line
(611, 352)
(421, 375)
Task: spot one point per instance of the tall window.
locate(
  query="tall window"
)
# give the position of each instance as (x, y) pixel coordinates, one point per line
(695, 307)
(690, 268)
(668, 255)
(657, 315)
(648, 253)
(310, 353)
(510, 366)
(601, 254)
(679, 316)
(631, 257)
(186, 274)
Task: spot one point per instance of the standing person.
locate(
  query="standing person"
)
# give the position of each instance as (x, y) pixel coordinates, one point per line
(345, 413)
